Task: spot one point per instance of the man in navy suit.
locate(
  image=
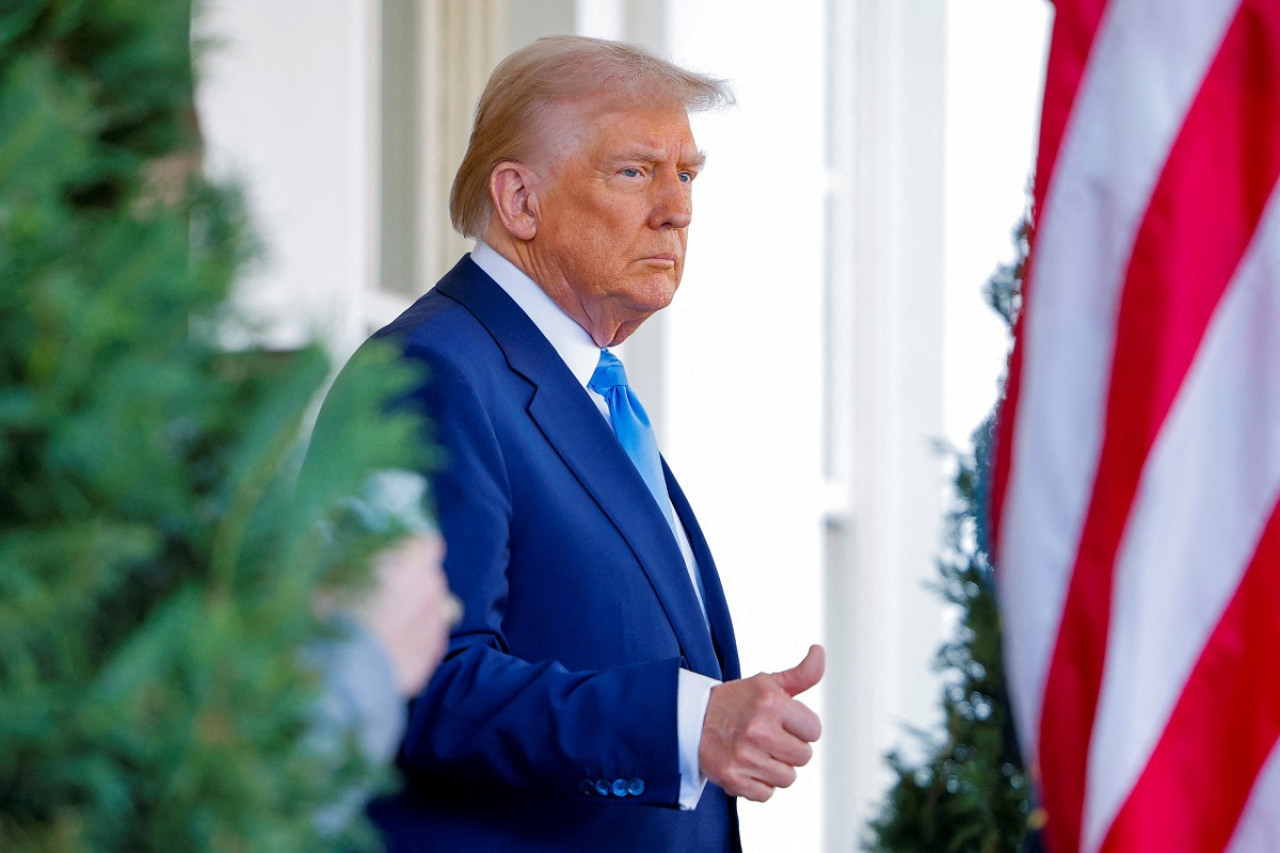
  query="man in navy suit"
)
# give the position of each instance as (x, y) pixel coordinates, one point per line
(591, 697)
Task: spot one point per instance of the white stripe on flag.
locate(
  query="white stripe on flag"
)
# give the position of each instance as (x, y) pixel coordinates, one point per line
(1259, 828)
(1205, 496)
(1145, 69)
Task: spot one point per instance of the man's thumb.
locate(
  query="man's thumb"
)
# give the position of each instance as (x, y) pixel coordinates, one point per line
(800, 678)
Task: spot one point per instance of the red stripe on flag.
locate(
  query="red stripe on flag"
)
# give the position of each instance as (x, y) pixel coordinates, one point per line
(1191, 794)
(1075, 25)
(1203, 213)
(1002, 448)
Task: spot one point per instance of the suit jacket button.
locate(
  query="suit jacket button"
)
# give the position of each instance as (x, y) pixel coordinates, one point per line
(587, 787)
(635, 787)
(602, 787)
(619, 788)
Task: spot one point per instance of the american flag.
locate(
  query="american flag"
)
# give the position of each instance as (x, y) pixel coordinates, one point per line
(1137, 472)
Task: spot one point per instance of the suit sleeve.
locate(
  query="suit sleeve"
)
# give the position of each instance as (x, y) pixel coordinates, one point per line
(488, 716)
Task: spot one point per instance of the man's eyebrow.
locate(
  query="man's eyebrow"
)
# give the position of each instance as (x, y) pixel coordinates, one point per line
(650, 155)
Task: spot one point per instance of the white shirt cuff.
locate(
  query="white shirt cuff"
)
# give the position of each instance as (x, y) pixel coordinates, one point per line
(693, 692)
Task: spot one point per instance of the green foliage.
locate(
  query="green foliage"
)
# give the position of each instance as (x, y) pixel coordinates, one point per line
(1003, 291)
(969, 792)
(157, 567)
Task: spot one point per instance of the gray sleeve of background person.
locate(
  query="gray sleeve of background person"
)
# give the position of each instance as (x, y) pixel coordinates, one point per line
(358, 699)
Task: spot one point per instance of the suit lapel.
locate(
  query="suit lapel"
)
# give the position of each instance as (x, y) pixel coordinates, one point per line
(573, 426)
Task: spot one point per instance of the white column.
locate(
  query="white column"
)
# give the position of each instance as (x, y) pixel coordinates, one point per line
(885, 333)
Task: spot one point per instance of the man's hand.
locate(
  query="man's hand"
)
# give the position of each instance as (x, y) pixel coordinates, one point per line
(756, 733)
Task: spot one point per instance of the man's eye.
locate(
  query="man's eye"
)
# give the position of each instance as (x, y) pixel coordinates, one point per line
(631, 173)
(686, 177)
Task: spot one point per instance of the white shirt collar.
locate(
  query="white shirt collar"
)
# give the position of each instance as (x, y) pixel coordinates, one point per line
(574, 346)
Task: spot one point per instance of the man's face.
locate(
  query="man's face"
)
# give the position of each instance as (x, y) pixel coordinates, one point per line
(613, 216)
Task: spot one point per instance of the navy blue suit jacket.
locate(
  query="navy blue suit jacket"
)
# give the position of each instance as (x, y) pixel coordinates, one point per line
(551, 724)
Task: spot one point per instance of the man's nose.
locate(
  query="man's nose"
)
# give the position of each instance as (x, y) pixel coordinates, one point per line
(673, 203)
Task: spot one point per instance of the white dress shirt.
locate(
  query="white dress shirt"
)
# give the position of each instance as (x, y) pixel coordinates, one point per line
(581, 355)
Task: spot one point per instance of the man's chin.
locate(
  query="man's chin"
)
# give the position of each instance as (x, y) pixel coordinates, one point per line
(656, 294)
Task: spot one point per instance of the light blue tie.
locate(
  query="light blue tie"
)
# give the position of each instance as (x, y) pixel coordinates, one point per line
(631, 425)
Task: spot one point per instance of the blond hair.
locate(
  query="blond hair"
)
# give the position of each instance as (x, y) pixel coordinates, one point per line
(550, 71)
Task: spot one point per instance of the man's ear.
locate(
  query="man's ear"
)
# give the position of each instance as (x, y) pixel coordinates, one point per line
(512, 190)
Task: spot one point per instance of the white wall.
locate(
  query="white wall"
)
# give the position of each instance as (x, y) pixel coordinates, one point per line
(286, 99)
(995, 73)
